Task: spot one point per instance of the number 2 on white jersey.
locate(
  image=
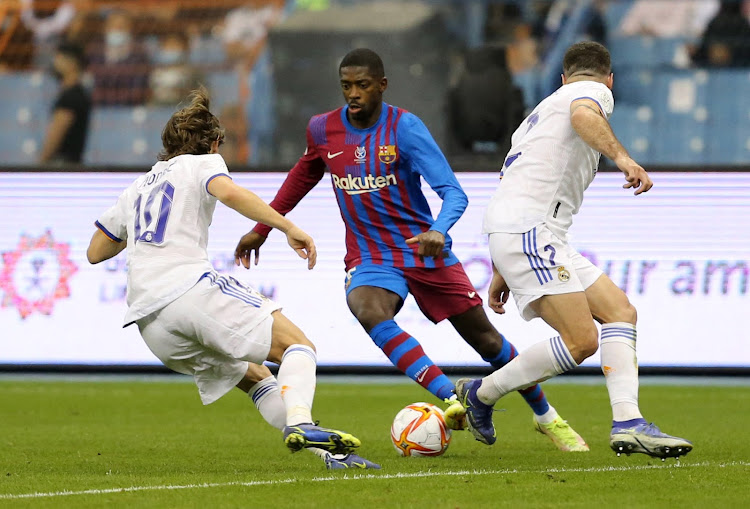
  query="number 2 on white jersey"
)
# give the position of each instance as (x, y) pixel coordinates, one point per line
(154, 228)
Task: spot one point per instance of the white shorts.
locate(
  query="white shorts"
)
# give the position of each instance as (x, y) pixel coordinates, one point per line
(212, 332)
(538, 263)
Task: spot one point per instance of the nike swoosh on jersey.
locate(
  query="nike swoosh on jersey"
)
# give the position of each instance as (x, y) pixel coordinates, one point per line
(472, 294)
(331, 156)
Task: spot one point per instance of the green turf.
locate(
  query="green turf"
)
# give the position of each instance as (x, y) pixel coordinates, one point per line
(71, 436)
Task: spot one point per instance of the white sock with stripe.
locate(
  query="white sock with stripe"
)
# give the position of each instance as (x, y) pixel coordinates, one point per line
(267, 399)
(620, 367)
(297, 380)
(537, 363)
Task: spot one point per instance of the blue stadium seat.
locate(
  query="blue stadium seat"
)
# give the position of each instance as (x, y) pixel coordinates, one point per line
(27, 87)
(635, 51)
(632, 126)
(614, 12)
(679, 101)
(729, 122)
(633, 86)
(224, 88)
(125, 136)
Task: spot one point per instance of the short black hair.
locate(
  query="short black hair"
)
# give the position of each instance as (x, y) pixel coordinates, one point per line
(587, 57)
(73, 51)
(363, 57)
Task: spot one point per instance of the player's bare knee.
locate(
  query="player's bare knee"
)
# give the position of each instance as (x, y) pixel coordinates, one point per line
(369, 318)
(583, 343)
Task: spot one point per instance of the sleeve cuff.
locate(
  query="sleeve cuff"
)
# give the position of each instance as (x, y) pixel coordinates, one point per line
(262, 229)
(113, 238)
(438, 227)
(213, 177)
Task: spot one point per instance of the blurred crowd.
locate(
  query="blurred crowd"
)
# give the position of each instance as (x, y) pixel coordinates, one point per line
(151, 52)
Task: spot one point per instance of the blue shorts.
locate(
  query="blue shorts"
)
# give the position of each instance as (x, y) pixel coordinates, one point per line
(440, 292)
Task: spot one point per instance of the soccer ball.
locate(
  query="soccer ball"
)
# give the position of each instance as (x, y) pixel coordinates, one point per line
(420, 430)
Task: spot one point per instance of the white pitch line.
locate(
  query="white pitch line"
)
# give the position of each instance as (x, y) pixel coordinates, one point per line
(355, 477)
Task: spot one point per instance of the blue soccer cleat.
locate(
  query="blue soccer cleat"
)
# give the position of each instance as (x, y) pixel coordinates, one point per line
(647, 438)
(478, 414)
(345, 461)
(300, 436)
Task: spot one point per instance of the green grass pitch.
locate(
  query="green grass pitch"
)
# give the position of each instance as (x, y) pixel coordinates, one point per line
(150, 443)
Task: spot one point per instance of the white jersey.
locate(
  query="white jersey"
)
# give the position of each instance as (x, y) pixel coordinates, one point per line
(548, 167)
(164, 217)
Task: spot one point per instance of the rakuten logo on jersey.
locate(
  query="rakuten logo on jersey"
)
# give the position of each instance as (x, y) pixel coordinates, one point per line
(359, 185)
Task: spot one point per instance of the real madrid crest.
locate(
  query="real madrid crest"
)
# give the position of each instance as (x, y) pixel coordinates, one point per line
(562, 274)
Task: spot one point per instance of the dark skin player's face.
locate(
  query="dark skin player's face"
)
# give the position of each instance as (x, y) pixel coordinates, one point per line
(364, 94)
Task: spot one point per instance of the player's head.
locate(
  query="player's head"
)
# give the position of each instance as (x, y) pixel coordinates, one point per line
(363, 81)
(587, 60)
(192, 129)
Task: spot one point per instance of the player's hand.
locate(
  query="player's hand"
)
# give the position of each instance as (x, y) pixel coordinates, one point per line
(431, 243)
(498, 293)
(636, 176)
(248, 243)
(303, 244)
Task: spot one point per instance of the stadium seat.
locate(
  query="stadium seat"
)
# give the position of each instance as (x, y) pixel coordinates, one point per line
(614, 13)
(628, 52)
(125, 136)
(224, 88)
(729, 119)
(632, 126)
(681, 112)
(633, 86)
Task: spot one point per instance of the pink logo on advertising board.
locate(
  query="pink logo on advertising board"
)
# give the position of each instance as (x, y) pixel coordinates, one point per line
(36, 274)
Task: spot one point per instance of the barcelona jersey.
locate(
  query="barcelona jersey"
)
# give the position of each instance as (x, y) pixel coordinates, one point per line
(376, 175)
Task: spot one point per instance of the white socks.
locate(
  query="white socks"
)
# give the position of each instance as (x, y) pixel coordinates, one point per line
(620, 368)
(267, 399)
(297, 381)
(537, 363)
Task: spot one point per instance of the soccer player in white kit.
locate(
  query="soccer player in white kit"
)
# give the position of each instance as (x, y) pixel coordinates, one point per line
(553, 158)
(195, 320)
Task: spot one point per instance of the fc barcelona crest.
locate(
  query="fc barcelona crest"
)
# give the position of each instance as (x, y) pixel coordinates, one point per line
(387, 153)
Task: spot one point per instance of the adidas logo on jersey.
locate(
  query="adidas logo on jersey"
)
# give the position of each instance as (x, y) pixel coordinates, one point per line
(359, 185)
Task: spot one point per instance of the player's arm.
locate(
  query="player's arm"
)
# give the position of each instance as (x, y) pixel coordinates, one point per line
(588, 120)
(418, 147)
(304, 176)
(300, 180)
(251, 206)
(103, 247)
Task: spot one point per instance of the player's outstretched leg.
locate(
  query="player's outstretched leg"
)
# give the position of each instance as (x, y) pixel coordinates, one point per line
(476, 329)
(631, 433)
(407, 355)
(263, 389)
(297, 364)
(546, 419)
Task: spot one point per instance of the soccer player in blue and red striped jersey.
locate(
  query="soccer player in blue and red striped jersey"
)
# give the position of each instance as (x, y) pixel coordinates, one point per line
(376, 154)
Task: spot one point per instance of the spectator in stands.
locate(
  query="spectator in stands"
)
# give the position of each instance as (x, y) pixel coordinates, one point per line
(245, 30)
(68, 127)
(726, 41)
(667, 18)
(172, 77)
(121, 68)
(485, 107)
(47, 31)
